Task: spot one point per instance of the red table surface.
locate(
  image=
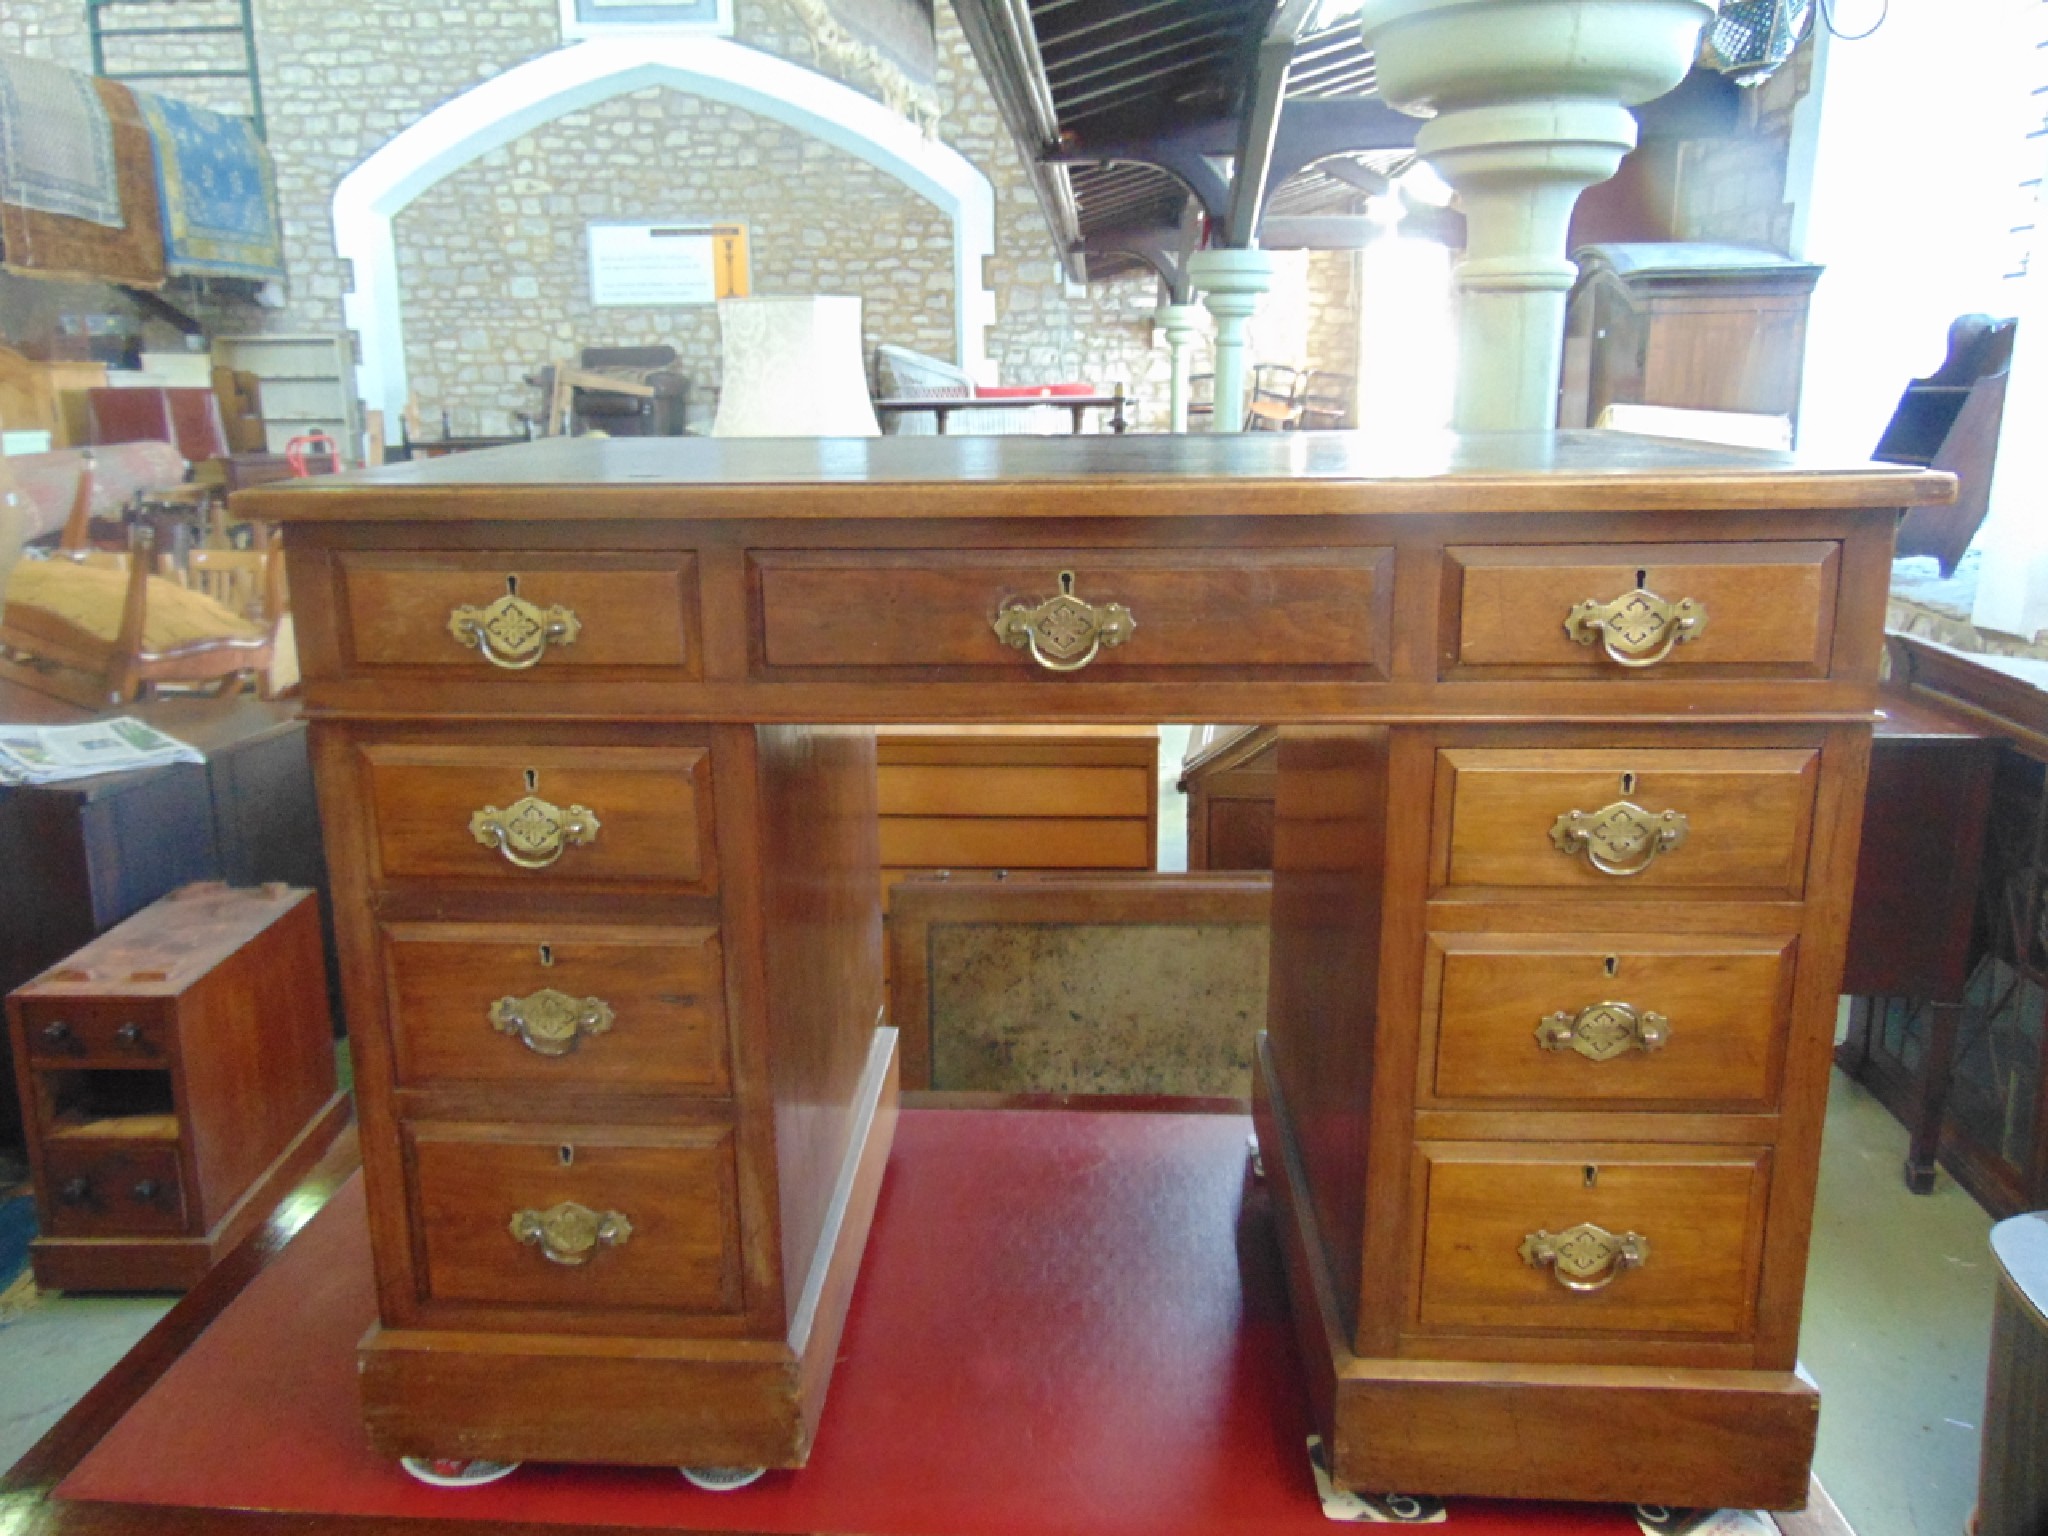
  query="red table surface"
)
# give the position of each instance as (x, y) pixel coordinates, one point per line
(1066, 1322)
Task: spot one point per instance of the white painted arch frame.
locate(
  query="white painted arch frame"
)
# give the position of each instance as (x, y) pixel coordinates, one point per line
(523, 98)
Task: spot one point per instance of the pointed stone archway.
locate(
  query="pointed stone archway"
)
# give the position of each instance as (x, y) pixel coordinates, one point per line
(498, 110)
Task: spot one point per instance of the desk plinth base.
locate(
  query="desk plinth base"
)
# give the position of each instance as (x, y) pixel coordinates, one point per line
(635, 1401)
(1609, 1434)
(177, 1263)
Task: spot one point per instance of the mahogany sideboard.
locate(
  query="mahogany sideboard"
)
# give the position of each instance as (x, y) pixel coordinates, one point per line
(1575, 730)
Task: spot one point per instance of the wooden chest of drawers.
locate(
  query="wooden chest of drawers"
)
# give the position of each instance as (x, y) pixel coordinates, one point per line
(177, 1076)
(1574, 731)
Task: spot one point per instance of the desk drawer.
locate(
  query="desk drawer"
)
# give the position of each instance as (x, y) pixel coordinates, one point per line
(557, 1005)
(1603, 1019)
(1502, 1235)
(98, 1189)
(578, 1217)
(543, 612)
(542, 815)
(1626, 821)
(98, 1030)
(1315, 610)
(1765, 608)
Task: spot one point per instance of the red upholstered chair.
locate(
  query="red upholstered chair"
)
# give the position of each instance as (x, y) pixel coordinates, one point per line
(188, 418)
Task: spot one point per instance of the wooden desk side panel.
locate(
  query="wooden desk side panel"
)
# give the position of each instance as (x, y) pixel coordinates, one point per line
(821, 938)
(1330, 839)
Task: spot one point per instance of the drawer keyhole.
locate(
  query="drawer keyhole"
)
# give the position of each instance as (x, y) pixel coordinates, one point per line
(1592, 1176)
(1612, 965)
(1628, 783)
(512, 585)
(567, 1154)
(532, 781)
(547, 954)
(1642, 580)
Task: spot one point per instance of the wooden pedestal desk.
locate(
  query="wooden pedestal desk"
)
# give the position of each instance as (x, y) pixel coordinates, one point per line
(1575, 731)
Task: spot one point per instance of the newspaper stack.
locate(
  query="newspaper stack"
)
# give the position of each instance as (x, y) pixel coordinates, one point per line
(51, 754)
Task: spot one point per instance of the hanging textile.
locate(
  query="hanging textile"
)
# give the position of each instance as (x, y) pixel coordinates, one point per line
(56, 145)
(130, 251)
(219, 196)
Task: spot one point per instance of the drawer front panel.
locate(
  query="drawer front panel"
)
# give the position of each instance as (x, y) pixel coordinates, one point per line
(553, 1006)
(651, 808)
(1768, 606)
(100, 1031)
(1587, 1019)
(101, 1190)
(1322, 610)
(1747, 815)
(1699, 1219)
(672, 1238)
(625, 611)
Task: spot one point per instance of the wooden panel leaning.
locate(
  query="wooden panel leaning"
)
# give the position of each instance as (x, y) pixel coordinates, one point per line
(1595, 702)
(177, 1077)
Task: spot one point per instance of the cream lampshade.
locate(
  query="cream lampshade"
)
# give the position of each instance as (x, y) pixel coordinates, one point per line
(792, 368)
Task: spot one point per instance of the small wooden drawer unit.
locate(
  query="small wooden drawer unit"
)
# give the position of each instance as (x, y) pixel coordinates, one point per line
(489, 613)
(1749, 609)
(1591, 1019)
(542, 815)
(578, 1217)
(1594, 1239)
(177, 1077)
(1626, 821)
(1112, 611)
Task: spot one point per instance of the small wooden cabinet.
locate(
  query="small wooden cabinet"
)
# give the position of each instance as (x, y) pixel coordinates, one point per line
(177, 1075)
(1700, 326)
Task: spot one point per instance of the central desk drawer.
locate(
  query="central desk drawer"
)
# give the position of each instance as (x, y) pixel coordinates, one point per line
(522, 611)
(1313, 610)
(1530, 1239)
(542, 815)
(1602, 1019)
(1622, 820)
(578, 1216)
(557, 1005)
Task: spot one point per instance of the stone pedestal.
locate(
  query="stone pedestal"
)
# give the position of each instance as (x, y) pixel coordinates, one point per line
(1232, 284)
(1528, 108)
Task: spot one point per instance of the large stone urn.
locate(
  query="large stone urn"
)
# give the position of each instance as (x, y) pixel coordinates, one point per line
(1527, 101)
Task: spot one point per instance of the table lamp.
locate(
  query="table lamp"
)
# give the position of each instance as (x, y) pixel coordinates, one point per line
(792, 368)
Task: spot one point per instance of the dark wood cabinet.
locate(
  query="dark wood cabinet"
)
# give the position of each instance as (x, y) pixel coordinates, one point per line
(1699, 326)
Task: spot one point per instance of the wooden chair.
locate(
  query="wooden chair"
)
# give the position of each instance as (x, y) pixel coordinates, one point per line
(101, 628)
(1275, 404)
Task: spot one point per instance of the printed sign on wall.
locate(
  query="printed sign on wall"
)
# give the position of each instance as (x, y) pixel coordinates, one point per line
(655, 265)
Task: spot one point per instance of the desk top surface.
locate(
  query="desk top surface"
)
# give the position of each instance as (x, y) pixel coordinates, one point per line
(1297, 473)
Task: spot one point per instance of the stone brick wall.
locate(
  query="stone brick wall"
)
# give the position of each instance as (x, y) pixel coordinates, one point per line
(1733, 188)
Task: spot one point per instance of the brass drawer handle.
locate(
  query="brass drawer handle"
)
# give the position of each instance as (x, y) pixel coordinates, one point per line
(549, 1023)
(1585, 1257)
(1604, 1031)
(1063, 633)
(1618, 839)
(570, 1233)
(1639, 628)
(531, 832)
(513, 633)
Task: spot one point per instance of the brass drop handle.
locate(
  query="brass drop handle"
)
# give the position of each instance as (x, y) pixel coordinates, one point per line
(1639, 628)
(532, 832)
(129, 1034)
(550, 1023)
(1063, 633)
(1618, 839)
(1604, 1031)
(513, 633)
(1585, 1257)
(569, 1233)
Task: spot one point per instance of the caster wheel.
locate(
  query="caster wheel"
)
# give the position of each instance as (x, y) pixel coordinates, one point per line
(453, 1472)
(721, 1479)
